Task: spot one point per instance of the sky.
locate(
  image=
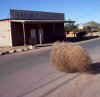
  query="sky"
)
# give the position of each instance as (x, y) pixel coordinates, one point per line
(81, 11)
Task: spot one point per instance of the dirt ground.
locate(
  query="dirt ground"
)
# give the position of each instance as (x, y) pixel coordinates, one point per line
(17, 48)
(71, 34)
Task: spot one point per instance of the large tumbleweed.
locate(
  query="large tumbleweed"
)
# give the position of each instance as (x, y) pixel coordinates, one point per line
(70, 57)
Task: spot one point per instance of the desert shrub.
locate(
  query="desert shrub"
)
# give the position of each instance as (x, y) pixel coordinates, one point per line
(70, 57)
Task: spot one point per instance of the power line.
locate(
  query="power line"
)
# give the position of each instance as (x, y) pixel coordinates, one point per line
(8, 16)
(89, 13)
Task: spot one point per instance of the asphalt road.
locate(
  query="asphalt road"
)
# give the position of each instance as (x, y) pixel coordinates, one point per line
(93, 48)
(31, 74)
(16, 62)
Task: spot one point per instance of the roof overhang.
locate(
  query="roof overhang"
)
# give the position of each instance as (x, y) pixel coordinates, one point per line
(42, 21)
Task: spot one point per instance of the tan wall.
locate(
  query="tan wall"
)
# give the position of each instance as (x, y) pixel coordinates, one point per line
(5, 33)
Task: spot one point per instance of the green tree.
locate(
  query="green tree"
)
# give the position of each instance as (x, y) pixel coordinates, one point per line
(69, 27)
(92, 24)
(87, 28)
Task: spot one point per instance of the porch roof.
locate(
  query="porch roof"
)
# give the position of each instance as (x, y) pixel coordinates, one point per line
(43, 21)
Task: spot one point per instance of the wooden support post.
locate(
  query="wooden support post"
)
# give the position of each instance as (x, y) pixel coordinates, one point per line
(40, 34)
(74, 33)
(24, 33)
(54, 29)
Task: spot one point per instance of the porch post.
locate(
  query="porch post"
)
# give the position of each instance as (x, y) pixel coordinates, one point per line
(40, 34)
(54, 29)
(54, 32)
(74, 31)
(24, 33)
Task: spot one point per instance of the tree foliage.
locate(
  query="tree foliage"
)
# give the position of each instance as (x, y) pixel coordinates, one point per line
(87, 28)
(69, 27)
(92, 24)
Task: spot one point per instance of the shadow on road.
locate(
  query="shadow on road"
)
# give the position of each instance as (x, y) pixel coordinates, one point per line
(75, 39)
(95, 68)
(52, 89)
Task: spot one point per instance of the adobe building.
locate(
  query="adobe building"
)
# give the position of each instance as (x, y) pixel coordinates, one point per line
(31, 27)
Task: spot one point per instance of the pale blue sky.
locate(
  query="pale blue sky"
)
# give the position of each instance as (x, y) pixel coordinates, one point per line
(79, 10)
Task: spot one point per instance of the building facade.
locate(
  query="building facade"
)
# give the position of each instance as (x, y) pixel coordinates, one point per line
(31, 27)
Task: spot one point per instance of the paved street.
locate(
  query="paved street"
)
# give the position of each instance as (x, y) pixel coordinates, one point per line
(93, 48)
(31, 74)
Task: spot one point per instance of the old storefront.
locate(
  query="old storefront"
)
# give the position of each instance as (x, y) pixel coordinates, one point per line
(33, 27)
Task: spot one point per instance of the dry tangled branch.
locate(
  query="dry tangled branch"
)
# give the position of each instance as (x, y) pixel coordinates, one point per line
(70, 57)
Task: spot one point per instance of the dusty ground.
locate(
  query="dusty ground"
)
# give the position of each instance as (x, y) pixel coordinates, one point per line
(89, 34)
(8, 49)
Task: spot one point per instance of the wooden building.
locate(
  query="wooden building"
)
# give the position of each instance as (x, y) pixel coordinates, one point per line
(31, 27)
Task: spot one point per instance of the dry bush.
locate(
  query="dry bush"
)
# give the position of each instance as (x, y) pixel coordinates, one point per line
(70, 57)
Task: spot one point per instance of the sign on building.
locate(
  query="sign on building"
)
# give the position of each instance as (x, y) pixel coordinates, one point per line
(35, 15)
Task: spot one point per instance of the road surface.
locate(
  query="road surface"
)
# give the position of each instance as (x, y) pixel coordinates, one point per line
(31, 74)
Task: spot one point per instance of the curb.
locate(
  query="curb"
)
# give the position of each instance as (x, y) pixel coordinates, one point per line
(2, 53)
(11, 51)
(30, 47)
(16, 50)
(88, 40)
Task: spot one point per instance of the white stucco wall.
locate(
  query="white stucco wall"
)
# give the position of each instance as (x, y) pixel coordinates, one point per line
(5, 33)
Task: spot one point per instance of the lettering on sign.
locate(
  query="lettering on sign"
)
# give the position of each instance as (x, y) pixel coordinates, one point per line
(35, 15)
